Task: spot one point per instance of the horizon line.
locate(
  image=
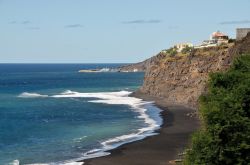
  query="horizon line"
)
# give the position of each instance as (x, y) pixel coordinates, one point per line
(65, 63)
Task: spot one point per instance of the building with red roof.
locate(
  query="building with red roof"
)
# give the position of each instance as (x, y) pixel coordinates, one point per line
(219, 37)
(216, 38)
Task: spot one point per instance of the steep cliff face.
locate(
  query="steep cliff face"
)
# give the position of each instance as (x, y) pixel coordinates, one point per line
(182, 79)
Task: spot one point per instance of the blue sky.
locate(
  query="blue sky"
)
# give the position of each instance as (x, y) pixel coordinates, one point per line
(109, 31)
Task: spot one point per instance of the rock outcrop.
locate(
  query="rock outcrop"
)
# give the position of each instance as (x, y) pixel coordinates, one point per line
(183, 78)
(141, 66)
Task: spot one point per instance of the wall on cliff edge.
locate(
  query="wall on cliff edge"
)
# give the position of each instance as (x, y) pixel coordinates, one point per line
(182, 79)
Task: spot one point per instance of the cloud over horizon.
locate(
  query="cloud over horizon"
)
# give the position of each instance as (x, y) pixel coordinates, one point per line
(12, 22)
(34, 28)
(141, 21)
(73, 26)
(173, 27)
(25, 22)
(235, 22)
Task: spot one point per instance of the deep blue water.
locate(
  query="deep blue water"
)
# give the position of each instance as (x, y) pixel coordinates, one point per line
(36, 126)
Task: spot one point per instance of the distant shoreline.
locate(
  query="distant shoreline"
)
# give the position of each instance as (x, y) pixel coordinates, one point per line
(172, 139)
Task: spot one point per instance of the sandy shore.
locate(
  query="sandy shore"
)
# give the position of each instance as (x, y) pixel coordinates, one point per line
(173, 137)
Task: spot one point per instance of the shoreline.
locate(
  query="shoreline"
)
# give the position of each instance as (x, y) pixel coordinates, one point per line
(174, 136)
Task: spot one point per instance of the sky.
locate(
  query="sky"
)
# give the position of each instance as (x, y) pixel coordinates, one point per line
(110, 31)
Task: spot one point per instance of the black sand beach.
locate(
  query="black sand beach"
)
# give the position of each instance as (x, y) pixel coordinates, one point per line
(172, 139)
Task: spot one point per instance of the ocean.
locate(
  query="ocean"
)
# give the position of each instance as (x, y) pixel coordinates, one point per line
(51, 114)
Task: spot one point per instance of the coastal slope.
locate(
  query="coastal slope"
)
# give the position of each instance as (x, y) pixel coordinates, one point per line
(175, 84)
(182, 79)
(141, 66)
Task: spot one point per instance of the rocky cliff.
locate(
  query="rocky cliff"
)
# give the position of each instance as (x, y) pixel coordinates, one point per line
(182, 79)
(141, 66)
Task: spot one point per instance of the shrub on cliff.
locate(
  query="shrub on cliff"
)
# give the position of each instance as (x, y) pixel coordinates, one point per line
(225, 112)
(187, 49)
(172, 51)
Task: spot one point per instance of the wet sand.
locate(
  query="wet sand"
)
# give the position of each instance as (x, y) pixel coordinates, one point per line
(173, 138)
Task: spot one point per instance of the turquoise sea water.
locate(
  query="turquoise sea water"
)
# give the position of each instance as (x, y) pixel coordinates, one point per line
(51, 114)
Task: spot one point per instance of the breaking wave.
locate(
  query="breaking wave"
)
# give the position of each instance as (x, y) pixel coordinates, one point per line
(119, 98)
(31, 95)
(116, 98)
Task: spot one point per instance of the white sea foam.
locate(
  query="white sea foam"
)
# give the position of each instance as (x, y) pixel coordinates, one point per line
(59, 163)
(31, 95)
(74, 163)
(79, 139)
(100, 95)
(115, 98)
(14, 162)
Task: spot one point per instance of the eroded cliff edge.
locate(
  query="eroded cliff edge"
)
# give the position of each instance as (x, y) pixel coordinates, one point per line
(183, 78)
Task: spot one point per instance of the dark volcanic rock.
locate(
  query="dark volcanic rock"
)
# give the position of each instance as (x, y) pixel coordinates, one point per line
(183, 79)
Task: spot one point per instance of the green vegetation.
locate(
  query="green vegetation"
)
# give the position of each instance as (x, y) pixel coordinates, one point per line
(231, 40)
(224, 138)
(171, 52)
(187, 49)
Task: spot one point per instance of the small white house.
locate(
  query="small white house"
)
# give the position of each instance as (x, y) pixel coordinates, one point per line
(135, 70)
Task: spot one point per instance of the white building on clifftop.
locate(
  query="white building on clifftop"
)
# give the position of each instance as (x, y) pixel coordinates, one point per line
(216, 38)
(219, 37)
(181, 46)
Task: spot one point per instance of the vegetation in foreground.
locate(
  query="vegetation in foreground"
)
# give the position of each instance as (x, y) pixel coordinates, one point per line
(224, 138)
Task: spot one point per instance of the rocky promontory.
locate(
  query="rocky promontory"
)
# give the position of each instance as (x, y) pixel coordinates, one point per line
(141, 66)
(182, 78)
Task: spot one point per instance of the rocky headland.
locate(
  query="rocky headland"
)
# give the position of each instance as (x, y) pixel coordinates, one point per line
(182, 78)
(175, 84)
